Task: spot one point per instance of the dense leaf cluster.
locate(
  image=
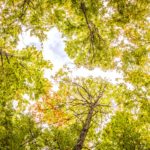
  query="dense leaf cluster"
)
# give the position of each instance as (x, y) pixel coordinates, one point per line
(85, 113)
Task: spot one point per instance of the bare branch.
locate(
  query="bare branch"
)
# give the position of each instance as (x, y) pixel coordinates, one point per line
(86, 19)
(77, 99)
(1, 58)
(79, 104)
(89, 95)
(77, 115)
(103, 105)
(100, 95)
(85, 100)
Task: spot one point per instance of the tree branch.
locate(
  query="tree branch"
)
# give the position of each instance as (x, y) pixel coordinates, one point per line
(89, 95)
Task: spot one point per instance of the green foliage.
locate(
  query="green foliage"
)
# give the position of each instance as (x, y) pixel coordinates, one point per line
(18, 132)
(22, 73)
(125, 132)
(98, 33)
(60, 138)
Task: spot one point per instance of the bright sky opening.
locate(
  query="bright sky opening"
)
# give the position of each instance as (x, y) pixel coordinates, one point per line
(53, 50)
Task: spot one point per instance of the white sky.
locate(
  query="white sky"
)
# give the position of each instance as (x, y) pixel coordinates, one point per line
(53, 50)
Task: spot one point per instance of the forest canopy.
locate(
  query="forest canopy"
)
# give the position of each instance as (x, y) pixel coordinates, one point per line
(84, 112)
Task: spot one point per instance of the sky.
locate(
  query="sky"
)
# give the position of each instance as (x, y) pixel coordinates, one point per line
(54, 50)
(53, 47)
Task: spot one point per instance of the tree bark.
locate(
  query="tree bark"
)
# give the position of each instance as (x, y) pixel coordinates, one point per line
(84, 131)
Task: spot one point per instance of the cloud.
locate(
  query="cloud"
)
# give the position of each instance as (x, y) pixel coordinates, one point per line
(25, 39)
(53, 50)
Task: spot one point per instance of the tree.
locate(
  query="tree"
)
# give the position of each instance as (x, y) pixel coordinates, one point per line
(125, 132)
(21, 74)
(88, 100)
(92, 102)
(107, 34)
(21, 132)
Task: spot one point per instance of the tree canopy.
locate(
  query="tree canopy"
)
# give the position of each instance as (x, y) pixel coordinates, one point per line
(85, 112)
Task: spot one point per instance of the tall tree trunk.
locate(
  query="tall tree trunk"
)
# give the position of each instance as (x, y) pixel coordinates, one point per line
(84, 130)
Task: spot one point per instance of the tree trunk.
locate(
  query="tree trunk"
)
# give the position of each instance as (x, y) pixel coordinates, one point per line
(84, 130)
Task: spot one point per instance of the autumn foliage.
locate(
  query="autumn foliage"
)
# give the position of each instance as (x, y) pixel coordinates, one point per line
(49, 110)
